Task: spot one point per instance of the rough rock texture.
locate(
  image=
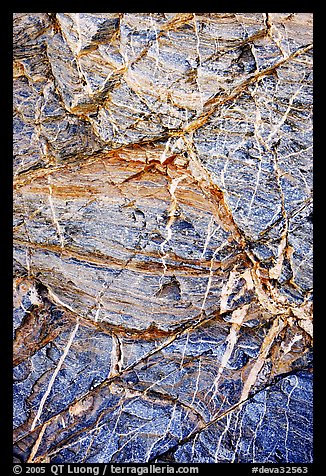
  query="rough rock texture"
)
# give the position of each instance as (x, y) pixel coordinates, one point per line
(163, 237)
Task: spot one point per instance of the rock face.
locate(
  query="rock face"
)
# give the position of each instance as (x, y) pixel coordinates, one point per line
(163, 237)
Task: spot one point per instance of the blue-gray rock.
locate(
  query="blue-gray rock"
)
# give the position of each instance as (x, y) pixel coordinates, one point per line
(163, 237)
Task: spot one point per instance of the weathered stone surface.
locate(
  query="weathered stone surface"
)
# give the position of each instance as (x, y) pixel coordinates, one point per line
(163, 237)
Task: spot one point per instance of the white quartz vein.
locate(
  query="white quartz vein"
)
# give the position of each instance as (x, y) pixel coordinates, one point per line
(287, 418)
(171, 219)
(54, 217)
(54, 375)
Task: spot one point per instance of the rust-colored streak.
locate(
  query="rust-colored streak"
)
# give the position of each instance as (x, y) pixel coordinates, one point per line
(183, 267)
(34, 333)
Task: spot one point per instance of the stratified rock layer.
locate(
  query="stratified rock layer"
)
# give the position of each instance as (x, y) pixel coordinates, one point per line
(163, 237)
